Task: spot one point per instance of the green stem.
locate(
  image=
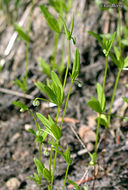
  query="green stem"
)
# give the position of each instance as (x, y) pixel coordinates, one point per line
(99, 118)
(113, 95)
(66, 105)
(50, 161)
(34, 119)
(55, 50)
(39, 143)
(119, 25)
(66, 176)
(61, 129)
(54, 165)
(67, 64)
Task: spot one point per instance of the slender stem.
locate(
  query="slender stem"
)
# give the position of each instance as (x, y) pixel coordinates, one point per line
(60, 129)
(66, 176)
(54, 165)
(66, 105)
(119, 26)
(97, 132)
(99, 118)
(55, 50)
(34, 119)
(67, 64)
(50, 161)
(113, 95)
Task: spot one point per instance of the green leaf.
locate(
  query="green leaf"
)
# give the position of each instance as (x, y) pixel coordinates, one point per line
(101, 98)
(20, 84)
(117, 53)
(74, 184)
(51, 21)
(117, 63)
(113, 1)
(51, 128)
(69, 5)
(95, 105)
(32, 131)
(110, 43)
(67, 157)
(56, 133)
(76, 65)
(72, 26)
(97, 36)
(57, 5)
(21, 32)
(55, 79)
(40, 85)
(93, 158)
(46, 174)
(43, 120)
(125, 99)
(103, 120)
(39, 165)
(36, 178)
(45, 67)
(20, 105)
(126, 62)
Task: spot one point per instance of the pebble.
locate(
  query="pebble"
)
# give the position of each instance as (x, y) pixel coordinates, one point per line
(86, 134)
(13, 183)
(27, 127)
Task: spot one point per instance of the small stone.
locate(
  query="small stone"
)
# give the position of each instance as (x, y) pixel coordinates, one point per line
(13, 183)
(86, 134)
(90, 147)
(27, 127)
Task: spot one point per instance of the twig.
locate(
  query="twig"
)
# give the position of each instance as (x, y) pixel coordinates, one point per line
(12, 92)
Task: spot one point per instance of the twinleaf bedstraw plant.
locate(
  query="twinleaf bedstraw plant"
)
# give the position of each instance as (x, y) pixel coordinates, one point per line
(54, 89)
(98, 105)
(62, 8)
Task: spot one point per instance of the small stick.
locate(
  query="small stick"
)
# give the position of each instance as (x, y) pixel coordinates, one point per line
(12, 92)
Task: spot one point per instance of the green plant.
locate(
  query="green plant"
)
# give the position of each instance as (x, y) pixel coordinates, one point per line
(54, 89)
(62, 9)
(98, 105)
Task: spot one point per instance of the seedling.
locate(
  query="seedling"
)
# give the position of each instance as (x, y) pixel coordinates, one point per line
(98, 105)
(54, 89)
(56, 25)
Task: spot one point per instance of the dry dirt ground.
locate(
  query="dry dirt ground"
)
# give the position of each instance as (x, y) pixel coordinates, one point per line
(17, 146)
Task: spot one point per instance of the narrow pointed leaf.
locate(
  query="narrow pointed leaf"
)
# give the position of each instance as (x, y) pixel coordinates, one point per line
(76, 65)
(45, 67)
(97, 37)
(100, 98)
(46, 174)
(43, 120)
(51, 21)
(125, 99)
(20, 105)
(21, 32)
